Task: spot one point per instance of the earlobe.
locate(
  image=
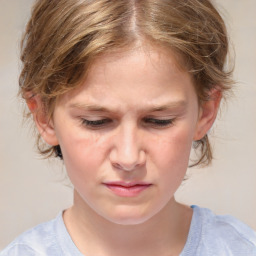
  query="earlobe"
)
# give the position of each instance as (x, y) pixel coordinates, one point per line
(207, 114)
(43, 124)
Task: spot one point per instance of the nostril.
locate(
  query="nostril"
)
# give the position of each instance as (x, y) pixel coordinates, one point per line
(116, 165)
(124, 167)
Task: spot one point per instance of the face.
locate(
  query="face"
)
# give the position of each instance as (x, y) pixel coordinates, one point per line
(126, 134)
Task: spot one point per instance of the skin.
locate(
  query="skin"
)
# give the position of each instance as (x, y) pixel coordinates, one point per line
(109, 130)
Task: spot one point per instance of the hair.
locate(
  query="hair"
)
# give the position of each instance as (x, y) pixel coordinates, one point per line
(64, 37)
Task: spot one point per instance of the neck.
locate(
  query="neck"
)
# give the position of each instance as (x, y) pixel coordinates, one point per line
(163, 234)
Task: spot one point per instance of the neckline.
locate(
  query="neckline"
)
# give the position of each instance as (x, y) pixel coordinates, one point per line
(189, 248)
(194, 233)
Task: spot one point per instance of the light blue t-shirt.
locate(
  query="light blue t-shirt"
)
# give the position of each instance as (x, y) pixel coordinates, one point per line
(209, 235)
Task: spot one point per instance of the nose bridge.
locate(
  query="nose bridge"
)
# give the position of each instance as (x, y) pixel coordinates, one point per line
(128, 152)
(127, 143)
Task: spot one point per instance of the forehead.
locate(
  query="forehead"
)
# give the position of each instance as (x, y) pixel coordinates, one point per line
(146, 75)
(140, 53)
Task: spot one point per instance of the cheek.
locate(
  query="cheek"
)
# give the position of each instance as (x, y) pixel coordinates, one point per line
(170, 155)
(83, 153)
(174, 147)
(173, 161)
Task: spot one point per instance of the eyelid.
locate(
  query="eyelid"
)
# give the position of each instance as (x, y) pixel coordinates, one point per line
(96, 123)
(102, 122)
(159, 122)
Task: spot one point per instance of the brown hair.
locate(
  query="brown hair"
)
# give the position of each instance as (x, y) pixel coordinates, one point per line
(63, 38)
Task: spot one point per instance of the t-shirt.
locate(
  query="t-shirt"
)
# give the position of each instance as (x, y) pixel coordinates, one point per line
(209, 235)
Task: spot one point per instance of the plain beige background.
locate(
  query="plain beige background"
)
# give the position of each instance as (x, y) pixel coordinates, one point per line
(34, 190)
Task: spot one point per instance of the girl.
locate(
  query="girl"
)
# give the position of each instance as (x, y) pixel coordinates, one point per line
(121, 90)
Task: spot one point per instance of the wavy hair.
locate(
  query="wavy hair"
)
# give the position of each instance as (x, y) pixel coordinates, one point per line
(64, 37)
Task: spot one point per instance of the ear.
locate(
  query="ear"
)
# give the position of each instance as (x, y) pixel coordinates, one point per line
(207, 114)
(43, 124)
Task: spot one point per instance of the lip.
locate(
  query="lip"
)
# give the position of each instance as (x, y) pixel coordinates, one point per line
(127, 189)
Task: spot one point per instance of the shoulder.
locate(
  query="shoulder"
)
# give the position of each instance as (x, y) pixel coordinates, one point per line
(212, 234)
(226, 227)
(36, 241)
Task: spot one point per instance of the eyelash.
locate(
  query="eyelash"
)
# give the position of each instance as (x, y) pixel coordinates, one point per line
(148, 121)
(159, 122)
(95, 123)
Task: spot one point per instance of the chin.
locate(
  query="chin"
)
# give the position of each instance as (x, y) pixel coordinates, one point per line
(128, 217)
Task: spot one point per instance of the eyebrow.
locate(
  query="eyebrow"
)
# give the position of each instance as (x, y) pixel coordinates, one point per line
(96, 108)
(170, 105)
(153, 108)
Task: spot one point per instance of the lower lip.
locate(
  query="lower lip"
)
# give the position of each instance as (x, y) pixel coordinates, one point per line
(127, 191)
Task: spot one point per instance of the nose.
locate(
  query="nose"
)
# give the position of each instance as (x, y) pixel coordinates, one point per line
(127, 152)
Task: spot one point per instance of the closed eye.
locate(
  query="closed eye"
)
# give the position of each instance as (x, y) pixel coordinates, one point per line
(101, 123)
(96, 123)
(158, 122)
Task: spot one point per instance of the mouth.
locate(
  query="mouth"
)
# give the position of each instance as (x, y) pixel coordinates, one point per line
(127, 189)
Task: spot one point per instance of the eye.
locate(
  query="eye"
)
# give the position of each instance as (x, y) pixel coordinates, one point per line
(96, 123)
(158, 122)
